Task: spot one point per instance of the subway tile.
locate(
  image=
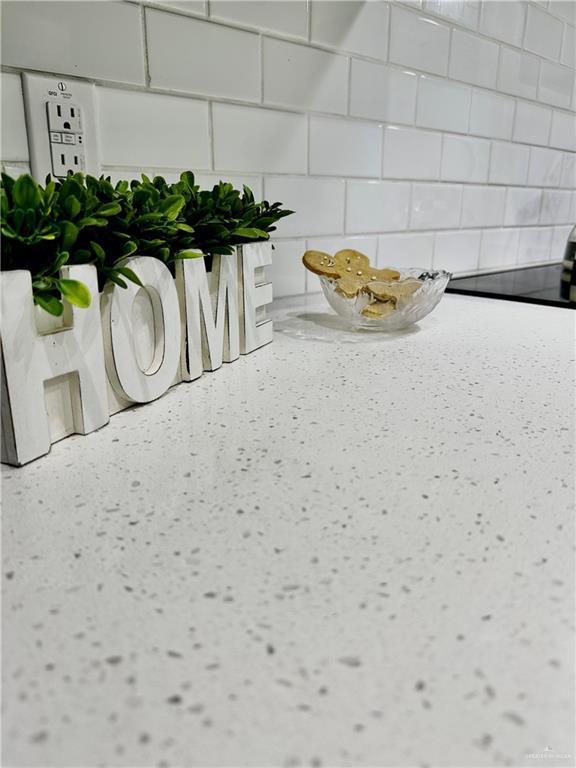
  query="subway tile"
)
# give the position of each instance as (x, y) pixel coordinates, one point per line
(543, 34)
(455, 100)
(254, 140)
(344, 147)
(377, 206)
(418, 42)
(568, 57)
(297, 76)
(366, 245)
(568, 173)
(355, 26)
(380, 92)
(498, 249)
(197, 7)
(436, 206)
(465, 159)
(508, 163)
(14, 143)
(532, 123)
(563, 132)
(522, 206)
(406, 250)
(503, 20)
(463, 12)
(457, 252)
(534, 245)
(566, 9)
(483, 206)
(188, 54)
(52, 37)
(491, 115)
(558, 242)
(411, 154)
(545, 167)
(318, 204)
(518, 73)
(474, 59)
(287, 272)
(131, 123)
(288, 17)
(556, 84)
(556, 206)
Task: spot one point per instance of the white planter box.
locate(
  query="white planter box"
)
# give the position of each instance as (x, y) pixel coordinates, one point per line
(69, 375)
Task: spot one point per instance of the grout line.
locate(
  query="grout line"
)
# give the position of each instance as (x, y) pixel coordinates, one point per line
(211, 135)
(261, 64)
(348, 85)
(145, 46)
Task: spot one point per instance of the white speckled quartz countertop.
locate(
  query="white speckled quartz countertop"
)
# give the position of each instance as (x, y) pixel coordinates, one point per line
(347, 549)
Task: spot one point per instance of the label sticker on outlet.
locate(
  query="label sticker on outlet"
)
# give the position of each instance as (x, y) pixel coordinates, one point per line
(61, 125)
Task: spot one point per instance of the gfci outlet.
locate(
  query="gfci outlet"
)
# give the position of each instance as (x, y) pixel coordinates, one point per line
(61, 125)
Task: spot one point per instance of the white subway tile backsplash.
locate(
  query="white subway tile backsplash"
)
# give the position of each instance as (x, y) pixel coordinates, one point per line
(419, 42)
(508, 163)
(568, 173)
(556, 206)
(252, 139)
(518, 73)
(406, 250)
(534, 245)
(558, 242)
(436, 206)
(503, 20)
(344, 147)
(498, 249)
(563, 132)
(288, 274)
(568, 56)
(318, 204)
(556, 84)
(454, 113)
(532, 123)
(474, 59)
(457, 252)
(491, 115)
(543, 34)
(351, 25)
(545, 167)
(483, 206)
(13, 134)
(188, 54)
(465, 159)
(566, 9)
(463, 12)
(410, 153)
(377, 206)
(131, 123)
(287, 17)
(89, 39)
(380, 92)
(522, 207)
(306, 78)
(197, 7)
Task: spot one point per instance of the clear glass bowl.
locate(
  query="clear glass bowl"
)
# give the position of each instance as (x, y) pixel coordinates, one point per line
(408, 310)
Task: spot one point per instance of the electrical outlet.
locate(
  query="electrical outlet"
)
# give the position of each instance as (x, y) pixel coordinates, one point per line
(61, 125)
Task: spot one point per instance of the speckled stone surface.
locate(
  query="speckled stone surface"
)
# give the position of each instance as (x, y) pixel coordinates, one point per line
(346, 549)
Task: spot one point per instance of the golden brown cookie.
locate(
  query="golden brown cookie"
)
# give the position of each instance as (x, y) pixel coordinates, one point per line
(384, 274)
(392, 291)
(321, 264)
(378, 310)
(353, 263)
(349, 286)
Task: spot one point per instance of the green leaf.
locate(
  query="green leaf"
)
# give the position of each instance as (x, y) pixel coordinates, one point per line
(69, 234)
(75, 292)
(251, 233)
(26, 192)
(98, 251)
(111, 275)
(130, 274)
(128, 249)
(188, 255)
(50, 303)
(109, 209)
(72, 206)
(171, 206)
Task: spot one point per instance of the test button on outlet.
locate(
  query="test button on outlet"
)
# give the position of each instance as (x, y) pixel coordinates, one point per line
(55, 137)
(68, 138)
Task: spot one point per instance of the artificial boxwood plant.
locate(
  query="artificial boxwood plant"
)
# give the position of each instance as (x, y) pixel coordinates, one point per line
(85, 220)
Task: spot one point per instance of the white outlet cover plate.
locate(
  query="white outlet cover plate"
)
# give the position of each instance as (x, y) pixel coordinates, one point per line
(39, 89)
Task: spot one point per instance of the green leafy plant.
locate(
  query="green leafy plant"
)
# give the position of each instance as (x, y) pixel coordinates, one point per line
(85, 220)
